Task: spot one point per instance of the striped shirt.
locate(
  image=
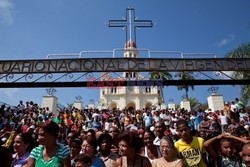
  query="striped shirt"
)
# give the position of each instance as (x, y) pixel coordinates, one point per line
(61, 154)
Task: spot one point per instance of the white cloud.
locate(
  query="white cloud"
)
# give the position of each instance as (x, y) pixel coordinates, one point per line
(6, 12)
(9, 92)
(226, 40)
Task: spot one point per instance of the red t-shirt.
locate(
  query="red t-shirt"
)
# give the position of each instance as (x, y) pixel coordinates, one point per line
(25, 128)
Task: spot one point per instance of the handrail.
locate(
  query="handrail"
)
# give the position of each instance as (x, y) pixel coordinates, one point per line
(69, 54)
(89, 51)
(81, 53)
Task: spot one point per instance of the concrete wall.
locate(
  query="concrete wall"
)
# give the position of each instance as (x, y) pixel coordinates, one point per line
(215, 102)
(51, 102)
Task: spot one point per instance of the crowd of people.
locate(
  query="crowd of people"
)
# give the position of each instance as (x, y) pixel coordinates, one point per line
(37, 137)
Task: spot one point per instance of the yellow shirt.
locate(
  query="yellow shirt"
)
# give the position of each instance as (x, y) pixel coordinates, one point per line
(74, 114)
(191, 153)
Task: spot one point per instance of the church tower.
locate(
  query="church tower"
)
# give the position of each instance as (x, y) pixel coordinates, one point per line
(130, 51)
(130, 97)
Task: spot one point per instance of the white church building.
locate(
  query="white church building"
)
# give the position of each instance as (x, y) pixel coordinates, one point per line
(131, 97)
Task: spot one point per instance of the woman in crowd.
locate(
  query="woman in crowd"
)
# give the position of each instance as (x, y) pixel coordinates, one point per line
(75, 148)
(105, 153)
(71, 136)
(169, 154)
(242, 132)
(150, 150)
(22, 148)
(49, 153)
(91, 134)
(89, 146)
(129, 146)
(83, 160)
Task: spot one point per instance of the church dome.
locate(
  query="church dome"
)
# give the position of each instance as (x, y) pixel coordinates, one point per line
(130, 44)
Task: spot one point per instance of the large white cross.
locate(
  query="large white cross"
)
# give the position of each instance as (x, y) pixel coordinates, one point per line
(130, 22)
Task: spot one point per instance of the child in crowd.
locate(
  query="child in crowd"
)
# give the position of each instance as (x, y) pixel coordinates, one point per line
(226, 155)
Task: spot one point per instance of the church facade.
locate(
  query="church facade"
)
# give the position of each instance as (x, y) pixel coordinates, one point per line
(130, 97)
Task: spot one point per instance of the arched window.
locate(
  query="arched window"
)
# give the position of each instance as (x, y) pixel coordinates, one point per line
(113, 90)
(148, 89)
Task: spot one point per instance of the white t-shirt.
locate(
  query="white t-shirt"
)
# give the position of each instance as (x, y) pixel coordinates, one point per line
(174, 120)
(147, 120)
(242, 115)
(223, 119)
(96, 115)
(106, 126)
(164, 116)
(156, 118)
(157, 141)
(173, 131)
(234, 106)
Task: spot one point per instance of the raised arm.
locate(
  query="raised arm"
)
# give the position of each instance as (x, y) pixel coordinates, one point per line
(208, 145)
(244, 141)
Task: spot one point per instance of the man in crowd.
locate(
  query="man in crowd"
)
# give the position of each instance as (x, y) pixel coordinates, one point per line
(190, 148)
(159, 129)
(246, 154)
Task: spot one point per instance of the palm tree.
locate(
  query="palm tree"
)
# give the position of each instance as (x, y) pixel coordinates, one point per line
(160, 75)
(157, 75)
(70, 105)
(185, 76)
(242, 51)
(194, 103)
(204, 106)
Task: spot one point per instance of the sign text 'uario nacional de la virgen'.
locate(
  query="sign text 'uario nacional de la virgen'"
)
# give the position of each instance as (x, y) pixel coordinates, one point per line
(123, 64)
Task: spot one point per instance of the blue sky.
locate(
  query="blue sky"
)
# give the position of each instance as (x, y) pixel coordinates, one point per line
(32, 29)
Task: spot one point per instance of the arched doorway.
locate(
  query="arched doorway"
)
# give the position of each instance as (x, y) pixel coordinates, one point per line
(148, 105)
(113, 106)
(131, 106)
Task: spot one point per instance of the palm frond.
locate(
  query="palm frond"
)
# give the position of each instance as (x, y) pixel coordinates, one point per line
(242, 51)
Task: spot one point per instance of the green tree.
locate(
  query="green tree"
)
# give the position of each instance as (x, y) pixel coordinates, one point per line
(160, 75)
(203, 106)
(194, 103)
(185, 76)
(70, 105)
(242, 51)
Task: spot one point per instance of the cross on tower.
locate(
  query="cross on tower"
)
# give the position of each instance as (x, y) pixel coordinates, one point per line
(130, 22)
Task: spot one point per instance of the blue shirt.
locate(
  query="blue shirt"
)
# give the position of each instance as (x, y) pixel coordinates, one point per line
(147, 120)
(98, 163)
(21, 161)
